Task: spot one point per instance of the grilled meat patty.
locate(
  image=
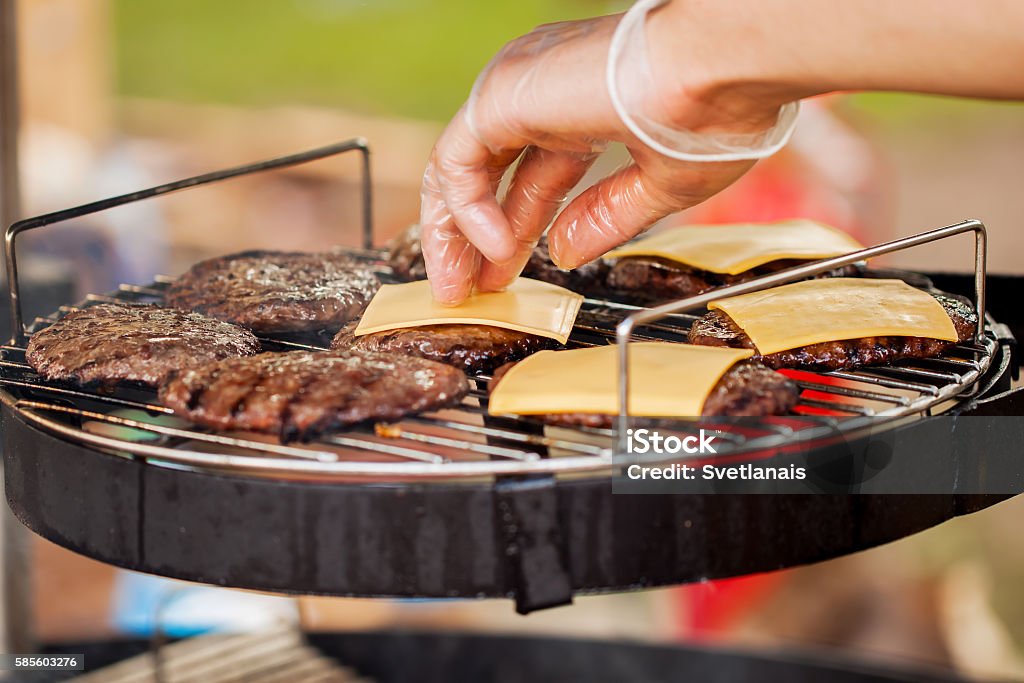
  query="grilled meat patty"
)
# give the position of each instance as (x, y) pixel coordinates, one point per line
(718, 329)
(473, 349)
(305, 393)
(405, 256)
(276, 291)
(649, 280)
(745, 390)
(588, 279)
(109, 343)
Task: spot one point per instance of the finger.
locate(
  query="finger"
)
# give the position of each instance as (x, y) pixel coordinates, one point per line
(466, 170)
(538, 189)
(498, 166)
(452, 263)
(608, 214)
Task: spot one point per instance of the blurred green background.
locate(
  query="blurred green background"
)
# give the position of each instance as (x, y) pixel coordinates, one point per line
(412, 58)
(415, 58)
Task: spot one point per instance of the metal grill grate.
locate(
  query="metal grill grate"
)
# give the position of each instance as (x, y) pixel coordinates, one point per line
(278, 656)
(466, 442)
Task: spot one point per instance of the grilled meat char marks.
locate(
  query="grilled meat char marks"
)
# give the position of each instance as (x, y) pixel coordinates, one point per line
(111, 343)
(473, 349)
(751, 389)
(718, 329)
(745, 390)
(650, 279)
(305, 393)
(405, 257)
(271, 291)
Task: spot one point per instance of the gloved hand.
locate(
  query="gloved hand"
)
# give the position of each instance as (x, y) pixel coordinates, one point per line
(545, 100)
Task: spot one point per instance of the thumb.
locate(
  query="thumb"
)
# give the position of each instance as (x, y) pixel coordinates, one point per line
(607, 214)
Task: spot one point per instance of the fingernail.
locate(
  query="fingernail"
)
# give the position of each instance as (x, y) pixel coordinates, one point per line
(450, 301)
(560, 259)
(492, 288)
(510, 248)
(447, 296)
(567, 264)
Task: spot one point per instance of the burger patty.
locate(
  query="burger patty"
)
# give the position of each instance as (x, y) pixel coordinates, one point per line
(588, 279)
(302, 394)
(474, 349)
(405, 256)
(718, 329)
(648, 280)
(745, 390)
(275, 291)
(111, 342)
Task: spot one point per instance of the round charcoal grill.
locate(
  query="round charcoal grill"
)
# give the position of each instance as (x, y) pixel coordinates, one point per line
(456, 503)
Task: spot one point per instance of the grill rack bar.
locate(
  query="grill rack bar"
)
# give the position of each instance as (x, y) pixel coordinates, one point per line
(10, 236)
(427, 445)
(437, 445)
(625, 330)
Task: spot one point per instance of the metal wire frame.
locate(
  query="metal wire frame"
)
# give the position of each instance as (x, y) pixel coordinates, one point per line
(437, 445)
(466, 442)
(14, 290)
(624, 332)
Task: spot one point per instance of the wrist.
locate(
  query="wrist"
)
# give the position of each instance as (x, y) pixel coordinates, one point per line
(716, 70)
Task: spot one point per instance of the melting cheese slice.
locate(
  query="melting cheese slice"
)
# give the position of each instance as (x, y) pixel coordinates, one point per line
(733, 249)
(665, 380)
(527, 305)
(834, 309)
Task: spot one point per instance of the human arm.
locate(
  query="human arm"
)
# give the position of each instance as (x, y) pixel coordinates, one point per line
(717, 68)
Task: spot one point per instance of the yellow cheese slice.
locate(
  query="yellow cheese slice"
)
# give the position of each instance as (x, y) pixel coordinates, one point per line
(665, 380)
(834, 309)
(527, 305)
(733, 249)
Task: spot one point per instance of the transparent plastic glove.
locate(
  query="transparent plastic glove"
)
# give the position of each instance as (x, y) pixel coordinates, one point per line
(544, 100)
(634, 94)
